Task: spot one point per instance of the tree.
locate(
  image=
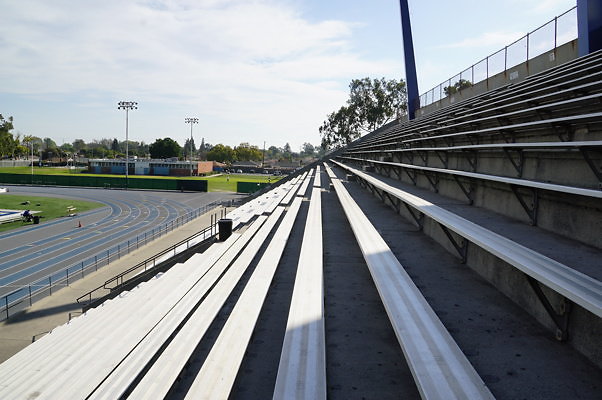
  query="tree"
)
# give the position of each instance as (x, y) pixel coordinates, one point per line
(221, 153)
(186, 149)
(7, 141)
(165, 148)
(308, 149)
(67, 148)
(371, 104)
(246, 152)
(79, 145)
(456, 87)
(115, 145)
(340, 128)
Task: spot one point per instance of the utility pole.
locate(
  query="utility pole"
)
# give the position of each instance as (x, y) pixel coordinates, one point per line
(127, 106)
(191, 121)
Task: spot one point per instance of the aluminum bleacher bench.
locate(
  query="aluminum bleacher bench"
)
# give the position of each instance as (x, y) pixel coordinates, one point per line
(525, 126)
(475, 119)
(226, 354)
(302, 368)
(223, 361)
(573, 285)
(493, 178)
(439, 368)
(210, 286)
(165, 369)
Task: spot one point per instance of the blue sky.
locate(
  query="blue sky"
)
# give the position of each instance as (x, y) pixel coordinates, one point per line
(250, 70)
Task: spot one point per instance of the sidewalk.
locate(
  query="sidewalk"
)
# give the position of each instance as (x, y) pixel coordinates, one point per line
(22, 329)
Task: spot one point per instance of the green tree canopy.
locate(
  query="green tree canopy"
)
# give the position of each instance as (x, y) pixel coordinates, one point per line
(165, 148)
(186, 149)
(221, 153)
(457, 86)
(371, 104)
(8, 144)
(246, 152)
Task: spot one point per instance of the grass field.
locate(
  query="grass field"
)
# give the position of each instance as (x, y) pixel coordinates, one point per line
(217, 183)
(50, 207)
(227, 183)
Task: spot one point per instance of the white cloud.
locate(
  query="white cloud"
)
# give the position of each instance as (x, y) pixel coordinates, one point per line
(254, 62)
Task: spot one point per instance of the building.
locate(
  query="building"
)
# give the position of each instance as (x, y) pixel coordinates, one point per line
(152, 167)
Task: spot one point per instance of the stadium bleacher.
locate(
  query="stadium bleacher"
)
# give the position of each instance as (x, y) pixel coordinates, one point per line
(488, 246)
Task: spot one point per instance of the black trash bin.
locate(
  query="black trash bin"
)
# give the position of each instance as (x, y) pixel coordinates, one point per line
(225, 228)
(36, 219)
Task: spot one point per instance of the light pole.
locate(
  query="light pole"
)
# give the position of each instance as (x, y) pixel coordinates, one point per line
(127, 106)
(191, 121)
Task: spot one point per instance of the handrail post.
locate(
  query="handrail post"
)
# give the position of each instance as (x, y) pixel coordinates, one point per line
(6, 300)
(527, 50)
(29, 286)
(82, 270)
(67, 270)
(50, 284)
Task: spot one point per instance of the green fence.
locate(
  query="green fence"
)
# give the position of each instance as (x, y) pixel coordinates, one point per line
(104, 182)
(250, 187)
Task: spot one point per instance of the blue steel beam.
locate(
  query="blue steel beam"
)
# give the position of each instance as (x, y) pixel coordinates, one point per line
(589, 22)
(410, 63)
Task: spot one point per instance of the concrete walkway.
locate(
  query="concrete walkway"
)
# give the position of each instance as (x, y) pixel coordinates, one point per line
(22, 329)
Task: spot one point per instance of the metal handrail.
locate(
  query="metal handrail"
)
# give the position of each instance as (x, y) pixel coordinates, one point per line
(470, 71)
(43, 286)
(151, 260)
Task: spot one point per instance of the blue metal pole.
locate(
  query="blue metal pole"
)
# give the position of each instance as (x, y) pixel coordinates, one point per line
(410, 63)
(589, 25)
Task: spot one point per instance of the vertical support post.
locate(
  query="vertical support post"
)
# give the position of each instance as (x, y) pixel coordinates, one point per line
(589, 26)
(6, 301)
(408, 55)
(29, 286)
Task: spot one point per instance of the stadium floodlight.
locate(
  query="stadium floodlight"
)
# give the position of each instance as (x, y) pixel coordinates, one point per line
(191, 121)
(127, 106)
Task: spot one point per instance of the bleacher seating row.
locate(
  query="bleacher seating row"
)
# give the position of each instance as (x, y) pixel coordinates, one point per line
(533, 146)
(140, 344)
(137, 345)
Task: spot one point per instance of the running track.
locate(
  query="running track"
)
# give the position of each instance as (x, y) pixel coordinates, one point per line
(35, 251)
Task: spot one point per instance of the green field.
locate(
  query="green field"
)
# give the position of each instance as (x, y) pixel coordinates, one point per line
(50, 207)
(216, 183)
(227, 183)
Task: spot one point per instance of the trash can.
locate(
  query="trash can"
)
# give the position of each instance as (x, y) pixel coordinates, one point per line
(36, 219)
(225, 228)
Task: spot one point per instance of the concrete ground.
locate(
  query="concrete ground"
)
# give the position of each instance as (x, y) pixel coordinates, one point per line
(46, 314)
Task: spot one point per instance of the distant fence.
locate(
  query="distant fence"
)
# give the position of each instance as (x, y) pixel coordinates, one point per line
(104, 182)
(549, 36)
(15, 163)
(250, 187)
(26, 295)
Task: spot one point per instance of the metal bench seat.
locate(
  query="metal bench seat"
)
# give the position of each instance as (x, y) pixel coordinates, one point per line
(573, 285)
(439, 368)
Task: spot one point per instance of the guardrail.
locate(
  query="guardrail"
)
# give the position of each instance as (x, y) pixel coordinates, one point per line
(26, 295)
(151, 262)
(562, 29)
